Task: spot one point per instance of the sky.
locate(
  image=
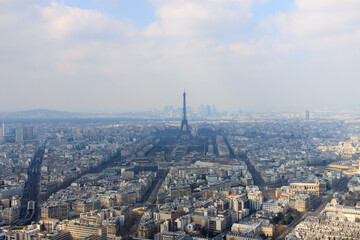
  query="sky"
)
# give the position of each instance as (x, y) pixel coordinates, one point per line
(135, 55)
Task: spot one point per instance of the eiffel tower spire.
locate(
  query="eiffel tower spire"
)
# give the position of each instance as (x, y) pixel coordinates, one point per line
(184, 128)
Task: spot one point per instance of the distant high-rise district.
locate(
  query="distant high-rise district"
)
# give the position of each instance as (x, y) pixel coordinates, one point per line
(241, 177)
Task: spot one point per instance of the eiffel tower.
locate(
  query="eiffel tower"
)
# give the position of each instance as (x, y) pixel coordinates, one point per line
(184, 129)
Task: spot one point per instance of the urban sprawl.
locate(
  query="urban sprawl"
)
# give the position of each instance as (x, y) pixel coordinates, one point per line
(250, 176)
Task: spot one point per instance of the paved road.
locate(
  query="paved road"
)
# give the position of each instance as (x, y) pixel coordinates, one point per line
(153, 195)
(31, 189)
(148, 201)
(257, 178)
(255, 174)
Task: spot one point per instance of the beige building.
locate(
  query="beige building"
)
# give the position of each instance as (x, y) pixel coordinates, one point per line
(81, 231)
(10, 215)
(61, 235)
(147, 230)
(241, 236)
(302, 204)
(58, 211)
(351, 214)
(313, 188)
(180, 191)
(49, 224)
(83, 207)
(112, 226)
(256, 228)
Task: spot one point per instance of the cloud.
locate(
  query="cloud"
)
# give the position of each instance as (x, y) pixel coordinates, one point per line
(320, 17)
(199, 18)
(70, 58)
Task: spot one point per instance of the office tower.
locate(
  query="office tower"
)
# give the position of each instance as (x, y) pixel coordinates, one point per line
(307, 115)
(184, 128)
(2, 134)
(201, 110)
(208, 110)
(24, 134)
(19, 135)
(213, 110)
(28, 133)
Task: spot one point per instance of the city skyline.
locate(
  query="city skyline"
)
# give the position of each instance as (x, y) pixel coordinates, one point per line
(257, 178)
(110, 56)
(180, 119)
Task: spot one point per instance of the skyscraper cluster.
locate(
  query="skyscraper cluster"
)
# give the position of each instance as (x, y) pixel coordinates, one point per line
(24, 134)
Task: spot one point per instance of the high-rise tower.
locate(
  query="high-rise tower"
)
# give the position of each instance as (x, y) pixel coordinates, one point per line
(184, 128)
(19, 137)
(2, 134)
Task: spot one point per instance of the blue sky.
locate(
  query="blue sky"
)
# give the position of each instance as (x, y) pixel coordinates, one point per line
(114, 56)
(140, 12)
(262, 9)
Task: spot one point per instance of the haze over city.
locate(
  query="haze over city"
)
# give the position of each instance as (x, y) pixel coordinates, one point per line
(116, 56)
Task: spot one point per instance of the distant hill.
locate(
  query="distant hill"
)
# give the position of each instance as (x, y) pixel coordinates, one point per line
(39, 113)
(43, 114)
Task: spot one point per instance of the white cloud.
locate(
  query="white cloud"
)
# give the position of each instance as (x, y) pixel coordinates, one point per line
(320, 17)
(62, 57)
(199, 18)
